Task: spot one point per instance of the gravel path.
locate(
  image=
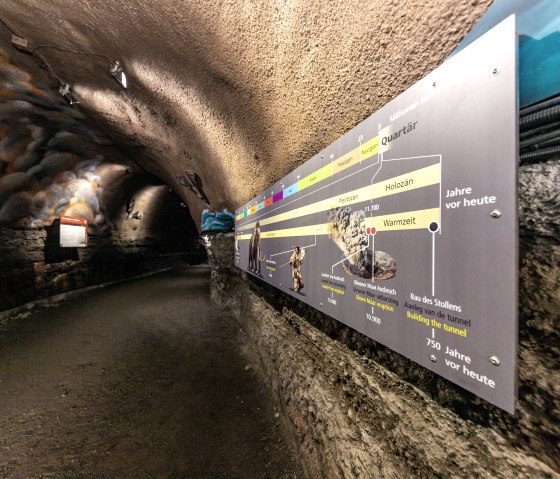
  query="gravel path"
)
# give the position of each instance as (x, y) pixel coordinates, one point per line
(144, 379)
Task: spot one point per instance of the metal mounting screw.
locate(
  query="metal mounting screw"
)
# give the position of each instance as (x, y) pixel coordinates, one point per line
(495, 71)
(495, 360)
(495, 214)
(433, 358)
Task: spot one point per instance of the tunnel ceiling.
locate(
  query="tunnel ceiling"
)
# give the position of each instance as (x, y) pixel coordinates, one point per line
(241, 92)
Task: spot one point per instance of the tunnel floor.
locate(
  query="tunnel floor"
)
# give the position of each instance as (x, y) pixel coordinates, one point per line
(143, 379)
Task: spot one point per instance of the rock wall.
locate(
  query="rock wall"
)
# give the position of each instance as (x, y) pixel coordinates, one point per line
(33, 266)
(356, 409)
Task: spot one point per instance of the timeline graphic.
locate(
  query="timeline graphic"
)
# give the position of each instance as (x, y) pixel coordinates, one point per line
(405, 227)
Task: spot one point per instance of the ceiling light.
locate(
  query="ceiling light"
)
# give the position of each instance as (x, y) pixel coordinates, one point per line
(21, 43)
(64, 90)
(117, 73)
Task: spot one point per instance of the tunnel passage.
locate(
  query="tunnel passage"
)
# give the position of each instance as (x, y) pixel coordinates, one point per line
(53, 163)
(241, 93)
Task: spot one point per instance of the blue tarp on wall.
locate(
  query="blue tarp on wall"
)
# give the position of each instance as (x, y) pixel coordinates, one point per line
(220, 221)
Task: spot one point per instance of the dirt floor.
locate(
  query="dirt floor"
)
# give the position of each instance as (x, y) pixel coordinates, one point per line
(144, 379)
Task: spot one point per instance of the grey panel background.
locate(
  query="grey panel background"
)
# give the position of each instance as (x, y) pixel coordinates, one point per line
(472, 123)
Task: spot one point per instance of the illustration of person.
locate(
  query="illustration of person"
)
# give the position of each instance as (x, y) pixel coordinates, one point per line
(296, 260)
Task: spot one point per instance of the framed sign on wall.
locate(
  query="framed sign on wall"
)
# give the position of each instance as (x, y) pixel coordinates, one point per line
(73, 232)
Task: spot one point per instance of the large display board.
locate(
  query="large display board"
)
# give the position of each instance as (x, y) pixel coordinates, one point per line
(407, 224)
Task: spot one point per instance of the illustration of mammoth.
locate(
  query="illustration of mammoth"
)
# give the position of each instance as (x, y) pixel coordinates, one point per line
(255, 256)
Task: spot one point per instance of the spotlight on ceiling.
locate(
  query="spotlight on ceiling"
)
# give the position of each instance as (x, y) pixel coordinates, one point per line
(117, 73)
(65, 91)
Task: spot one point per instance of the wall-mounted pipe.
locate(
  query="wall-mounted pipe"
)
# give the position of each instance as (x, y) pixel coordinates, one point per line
(539, 118)
(540, 106)
(547, 144)
(539, 139)
(540, 129)
(540, 155)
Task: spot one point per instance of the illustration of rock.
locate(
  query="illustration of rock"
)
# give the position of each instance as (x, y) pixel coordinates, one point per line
(349, 234)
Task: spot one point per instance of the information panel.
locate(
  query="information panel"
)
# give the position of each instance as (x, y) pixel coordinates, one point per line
(73, 232)
(405, 228)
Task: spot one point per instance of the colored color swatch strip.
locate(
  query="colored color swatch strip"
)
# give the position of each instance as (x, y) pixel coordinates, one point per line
(315, 177)
(290, 190)
(361, 153)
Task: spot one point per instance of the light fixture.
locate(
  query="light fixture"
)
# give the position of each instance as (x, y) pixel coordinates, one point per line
(117, 73)
(65, 91)
(23, 44)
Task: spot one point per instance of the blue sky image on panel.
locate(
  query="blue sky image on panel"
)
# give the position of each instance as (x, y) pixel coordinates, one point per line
(538, 27)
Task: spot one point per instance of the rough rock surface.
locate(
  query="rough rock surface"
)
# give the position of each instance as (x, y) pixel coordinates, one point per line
(539, 199)
(238, 92)
(357, 409)
(385, 266)
(349, 234)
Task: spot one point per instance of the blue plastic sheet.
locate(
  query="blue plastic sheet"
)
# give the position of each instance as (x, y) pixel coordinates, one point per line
(538, 26)
(220, 221)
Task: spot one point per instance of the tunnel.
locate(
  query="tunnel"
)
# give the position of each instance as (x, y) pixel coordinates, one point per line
(282, 240)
